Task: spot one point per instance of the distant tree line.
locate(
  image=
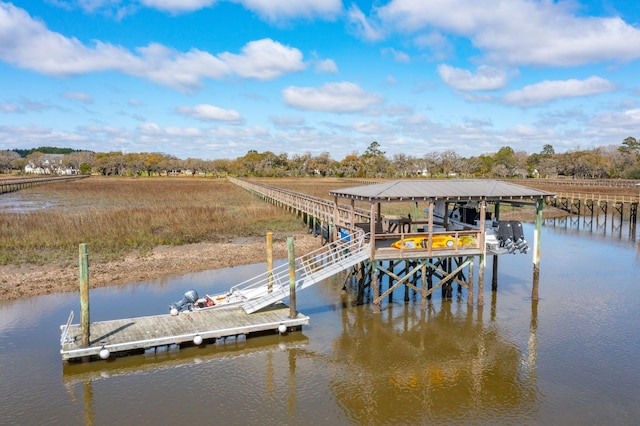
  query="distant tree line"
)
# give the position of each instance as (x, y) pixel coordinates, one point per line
(621, 161)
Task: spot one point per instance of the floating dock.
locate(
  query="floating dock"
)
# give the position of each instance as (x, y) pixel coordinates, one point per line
(162, 333)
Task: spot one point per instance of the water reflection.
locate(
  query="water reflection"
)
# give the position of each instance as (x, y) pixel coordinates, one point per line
(438, 365)
(79, 378)
(597, 227)
(74, 373)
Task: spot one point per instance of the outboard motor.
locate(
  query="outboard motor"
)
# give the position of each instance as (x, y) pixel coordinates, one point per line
(505, 235)
(518, 237)
(186, 303)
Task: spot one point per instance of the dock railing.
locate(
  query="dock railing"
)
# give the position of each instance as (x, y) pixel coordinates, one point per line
(272, 286)
(320, 208)
(598, 198)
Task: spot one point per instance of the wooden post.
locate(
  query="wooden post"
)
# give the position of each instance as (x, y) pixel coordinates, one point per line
(83, 258)
(374, 283)
(336, 218)
(481, 266)
(423, 301)
(536, 250)
(470, 284)
(494, 277)
(482, 259)
(270, 260)
(292, 279)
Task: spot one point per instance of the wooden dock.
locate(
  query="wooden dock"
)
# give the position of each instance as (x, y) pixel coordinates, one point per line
(161, 333)
(16, 184)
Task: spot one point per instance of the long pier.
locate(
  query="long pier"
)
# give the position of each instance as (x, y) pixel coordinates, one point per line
(317, 212)
(590, 203)
(16, 184)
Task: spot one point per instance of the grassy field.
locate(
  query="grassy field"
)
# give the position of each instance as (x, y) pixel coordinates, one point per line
(117, 215)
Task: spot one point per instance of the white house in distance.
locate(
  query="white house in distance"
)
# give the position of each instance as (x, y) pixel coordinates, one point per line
(50, 164)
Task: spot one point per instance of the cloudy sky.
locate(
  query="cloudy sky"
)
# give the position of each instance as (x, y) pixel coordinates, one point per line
(216, 78)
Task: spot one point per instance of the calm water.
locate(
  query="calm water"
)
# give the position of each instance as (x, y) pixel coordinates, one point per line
(571, 358)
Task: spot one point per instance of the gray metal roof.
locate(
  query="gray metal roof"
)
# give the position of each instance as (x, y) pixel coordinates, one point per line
(446, 189)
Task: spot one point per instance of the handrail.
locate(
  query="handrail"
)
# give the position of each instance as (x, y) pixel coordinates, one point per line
(318, 207)
(16, 184)
(328, 254)
(274, 284)
(598, 197)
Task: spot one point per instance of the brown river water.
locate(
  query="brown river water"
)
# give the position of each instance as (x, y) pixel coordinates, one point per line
(572, 358)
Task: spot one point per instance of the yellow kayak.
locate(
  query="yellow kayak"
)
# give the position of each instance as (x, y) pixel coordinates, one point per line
(439, 241)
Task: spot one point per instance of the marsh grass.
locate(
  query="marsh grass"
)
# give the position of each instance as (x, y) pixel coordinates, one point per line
(115, 216)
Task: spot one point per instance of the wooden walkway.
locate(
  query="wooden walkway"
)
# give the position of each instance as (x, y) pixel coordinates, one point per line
(577, 203)
(161, 333)
(315, 207)
(16, 184)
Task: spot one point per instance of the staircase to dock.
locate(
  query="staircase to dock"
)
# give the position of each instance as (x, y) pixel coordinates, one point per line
(275, 285)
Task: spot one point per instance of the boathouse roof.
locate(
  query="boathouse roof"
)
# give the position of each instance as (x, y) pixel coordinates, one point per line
(445, 189)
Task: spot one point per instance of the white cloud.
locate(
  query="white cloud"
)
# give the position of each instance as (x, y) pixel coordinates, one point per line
(439, 45)
(264, 60)
(276, 10)
(486, 78)
(286, 121)
(368, 127)
(519, 31)
(10, 107)
(332, 97)
(362, 26)
(551, 90)
(269, 10)
(84, 98)
(397, 55)
(326, 66)
(178, 6)
(623, 121)
(204, 112)
(27, 43)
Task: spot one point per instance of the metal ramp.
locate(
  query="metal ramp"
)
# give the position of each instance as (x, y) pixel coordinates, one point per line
(273, 286)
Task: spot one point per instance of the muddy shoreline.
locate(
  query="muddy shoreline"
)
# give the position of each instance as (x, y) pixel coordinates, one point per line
(164, 261)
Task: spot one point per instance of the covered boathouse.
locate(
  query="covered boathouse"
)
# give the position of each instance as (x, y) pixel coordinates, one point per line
(453, 222)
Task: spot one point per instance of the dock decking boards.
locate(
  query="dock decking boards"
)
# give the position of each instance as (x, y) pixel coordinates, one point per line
(142, 333)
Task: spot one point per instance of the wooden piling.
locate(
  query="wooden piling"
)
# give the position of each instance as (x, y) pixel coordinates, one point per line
(292, 279)
(270, 260)
(83, 258)
(536, 250)
(470, 288)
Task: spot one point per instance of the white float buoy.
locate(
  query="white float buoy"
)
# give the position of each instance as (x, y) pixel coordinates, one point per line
(173, 312)
(282, 328)
(197, 339)
(104, 353)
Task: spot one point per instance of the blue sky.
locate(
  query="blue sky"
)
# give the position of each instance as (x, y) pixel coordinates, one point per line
(214, 79)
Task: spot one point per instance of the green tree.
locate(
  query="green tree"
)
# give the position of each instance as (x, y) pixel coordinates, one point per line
(630, 145)
(548, 150)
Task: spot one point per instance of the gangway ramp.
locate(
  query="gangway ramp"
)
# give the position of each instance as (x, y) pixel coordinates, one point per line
(274, 285)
